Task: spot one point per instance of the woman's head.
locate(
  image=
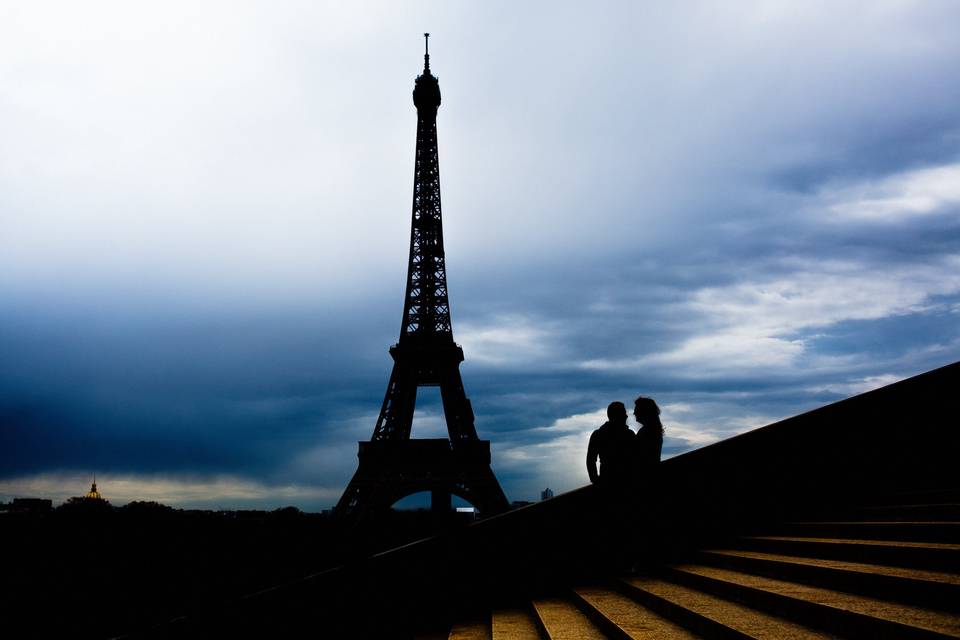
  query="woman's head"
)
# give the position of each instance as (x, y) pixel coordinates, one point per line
(646, 411)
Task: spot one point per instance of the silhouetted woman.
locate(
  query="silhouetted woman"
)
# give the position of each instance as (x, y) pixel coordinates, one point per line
(649, 444)
(649, 439)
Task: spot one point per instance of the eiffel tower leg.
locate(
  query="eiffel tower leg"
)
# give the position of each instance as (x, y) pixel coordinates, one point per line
(399, 402)
(456, 406)
(394, 422)
(480, 487)
(352, 496)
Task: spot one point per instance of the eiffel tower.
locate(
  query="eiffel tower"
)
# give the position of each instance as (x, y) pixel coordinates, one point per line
(392, 465)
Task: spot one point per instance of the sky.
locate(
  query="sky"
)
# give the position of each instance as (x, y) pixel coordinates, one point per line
(743, 210)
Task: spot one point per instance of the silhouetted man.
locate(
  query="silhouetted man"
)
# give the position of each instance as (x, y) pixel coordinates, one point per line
(613, 443)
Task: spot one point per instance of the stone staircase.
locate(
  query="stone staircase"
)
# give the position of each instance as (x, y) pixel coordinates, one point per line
(885, 570)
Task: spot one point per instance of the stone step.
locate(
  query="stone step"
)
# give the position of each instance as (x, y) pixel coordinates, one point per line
(845, 614)
(514, 624)
(561, 619)
(932, 589)
(916, 531)
(918, 555)
(712, 616)
(912, 512)
(622, 618)
(471, 630)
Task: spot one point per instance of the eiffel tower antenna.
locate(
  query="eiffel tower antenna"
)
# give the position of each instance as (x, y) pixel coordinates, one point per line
(426, 53)
(392, 465)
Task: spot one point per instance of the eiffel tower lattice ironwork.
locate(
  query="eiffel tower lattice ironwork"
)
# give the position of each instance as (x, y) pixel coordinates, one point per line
(392, 465)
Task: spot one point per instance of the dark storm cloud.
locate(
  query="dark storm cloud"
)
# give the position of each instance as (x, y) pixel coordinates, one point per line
(208, 393)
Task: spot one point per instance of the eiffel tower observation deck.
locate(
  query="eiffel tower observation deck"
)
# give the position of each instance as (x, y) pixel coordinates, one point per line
(391, 464)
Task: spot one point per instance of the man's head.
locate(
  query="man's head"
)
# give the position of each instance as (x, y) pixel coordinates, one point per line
(617, 413)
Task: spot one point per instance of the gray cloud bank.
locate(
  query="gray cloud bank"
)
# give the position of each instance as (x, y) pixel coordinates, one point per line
(744, 214)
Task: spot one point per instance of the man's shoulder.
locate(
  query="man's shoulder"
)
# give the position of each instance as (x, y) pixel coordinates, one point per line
(606, 431)
(602, 429)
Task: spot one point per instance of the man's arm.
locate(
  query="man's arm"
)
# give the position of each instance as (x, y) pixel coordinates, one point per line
(592, 459)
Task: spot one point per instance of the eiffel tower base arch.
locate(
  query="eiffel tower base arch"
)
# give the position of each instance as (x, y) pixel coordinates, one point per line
(390, 470)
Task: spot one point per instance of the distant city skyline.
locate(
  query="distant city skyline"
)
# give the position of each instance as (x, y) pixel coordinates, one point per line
(744, 212)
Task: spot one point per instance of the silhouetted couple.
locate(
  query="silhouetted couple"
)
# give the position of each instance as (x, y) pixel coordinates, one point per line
(628, 460)
(627, 529)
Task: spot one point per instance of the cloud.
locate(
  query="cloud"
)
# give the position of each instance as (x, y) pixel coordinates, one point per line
(768, 324)
(688, 426)
(862, 385)
(505, 340)
(557, 460)
(898, 197)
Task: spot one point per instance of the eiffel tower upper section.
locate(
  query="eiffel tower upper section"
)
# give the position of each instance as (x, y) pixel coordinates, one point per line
(426, 354)
(426, 309)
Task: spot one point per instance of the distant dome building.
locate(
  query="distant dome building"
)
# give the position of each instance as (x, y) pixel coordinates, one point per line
(93, 494)
(91, 500)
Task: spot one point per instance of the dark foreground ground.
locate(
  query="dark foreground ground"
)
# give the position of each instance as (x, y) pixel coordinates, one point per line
(101, 573)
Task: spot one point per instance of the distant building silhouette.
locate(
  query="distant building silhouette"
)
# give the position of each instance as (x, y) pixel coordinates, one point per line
(546, 494)
(31, 505)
